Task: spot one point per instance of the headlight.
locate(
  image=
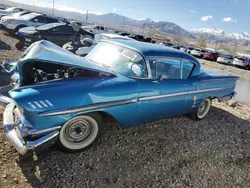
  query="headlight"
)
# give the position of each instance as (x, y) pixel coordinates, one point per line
(21, 110)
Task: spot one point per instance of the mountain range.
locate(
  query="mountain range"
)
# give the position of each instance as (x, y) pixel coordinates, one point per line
(219, 34)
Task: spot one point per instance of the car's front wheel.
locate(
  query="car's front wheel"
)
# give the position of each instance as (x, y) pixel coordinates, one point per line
(80, 132)
(202, 110)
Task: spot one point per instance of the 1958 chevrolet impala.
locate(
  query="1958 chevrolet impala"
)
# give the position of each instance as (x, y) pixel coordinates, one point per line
(62, 97)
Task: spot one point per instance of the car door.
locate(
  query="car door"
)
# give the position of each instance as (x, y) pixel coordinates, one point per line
(164, 95)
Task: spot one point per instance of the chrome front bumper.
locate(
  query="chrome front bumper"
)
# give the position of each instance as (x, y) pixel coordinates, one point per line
(19, 132)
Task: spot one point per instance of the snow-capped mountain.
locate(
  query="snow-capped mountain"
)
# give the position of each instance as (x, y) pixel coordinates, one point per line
(216, 33)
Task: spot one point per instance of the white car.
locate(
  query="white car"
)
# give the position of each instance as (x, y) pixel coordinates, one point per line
(10, 11)
(83, 51)
(198, 52)
(227, 59)
(95, 28)
(13, 24)
(18, 14)
(243, 62)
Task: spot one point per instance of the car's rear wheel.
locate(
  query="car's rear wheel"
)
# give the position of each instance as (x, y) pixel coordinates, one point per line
(80, 132)
(200, 112)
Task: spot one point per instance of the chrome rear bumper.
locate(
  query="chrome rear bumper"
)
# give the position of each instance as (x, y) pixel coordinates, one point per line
(18, 133)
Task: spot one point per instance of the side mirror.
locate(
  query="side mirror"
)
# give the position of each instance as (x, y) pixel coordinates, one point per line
(35, 20)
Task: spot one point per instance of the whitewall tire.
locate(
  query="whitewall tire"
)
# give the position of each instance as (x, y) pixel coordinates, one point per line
(80, 132)
(202, 110)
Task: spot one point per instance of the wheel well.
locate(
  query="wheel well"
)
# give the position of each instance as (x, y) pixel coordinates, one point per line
(19, 27)
(106, 116)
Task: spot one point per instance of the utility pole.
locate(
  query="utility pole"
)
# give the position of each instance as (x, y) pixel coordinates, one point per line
(53, 7)
(123, 22)
(33, 5)
(87, 16)
(143, 26)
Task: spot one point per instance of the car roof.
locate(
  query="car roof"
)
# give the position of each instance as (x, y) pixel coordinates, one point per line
(114, 36)
(153, 50)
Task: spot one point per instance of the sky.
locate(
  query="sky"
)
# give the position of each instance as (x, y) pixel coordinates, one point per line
(228, 15)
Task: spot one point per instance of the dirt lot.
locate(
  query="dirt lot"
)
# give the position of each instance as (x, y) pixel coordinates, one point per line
(176, 152)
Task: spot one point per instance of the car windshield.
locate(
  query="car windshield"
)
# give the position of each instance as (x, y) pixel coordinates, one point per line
(227, 56)
(10, 9)
(49, 26)
(118, 59)
(28, 16)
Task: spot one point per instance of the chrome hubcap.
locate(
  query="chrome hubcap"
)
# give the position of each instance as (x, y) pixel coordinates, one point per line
(203, 109)
(78, 131)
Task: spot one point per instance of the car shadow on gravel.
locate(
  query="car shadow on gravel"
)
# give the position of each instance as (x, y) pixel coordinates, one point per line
(214, 152)
(4, 46)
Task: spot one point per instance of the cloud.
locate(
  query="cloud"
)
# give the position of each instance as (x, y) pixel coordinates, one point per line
(206, 18)
(114, 9)
(192, 11)
(235, 1)
(228, 19)
(64, 7)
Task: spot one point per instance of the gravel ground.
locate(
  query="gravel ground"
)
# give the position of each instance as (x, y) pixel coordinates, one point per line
(175, 152)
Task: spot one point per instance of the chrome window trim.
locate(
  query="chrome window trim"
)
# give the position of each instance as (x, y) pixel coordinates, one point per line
(124, 102)
(175, 58)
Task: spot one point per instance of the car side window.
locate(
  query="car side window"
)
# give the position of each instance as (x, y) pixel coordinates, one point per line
(165, 69)
(38, 19)
(187, 68)
(63, 29)
(50, 20)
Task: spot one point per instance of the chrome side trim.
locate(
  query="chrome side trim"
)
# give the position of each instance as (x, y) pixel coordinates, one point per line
(162, 96)
(206, 90)
(34, 132)
(88, 108)
(118, 103)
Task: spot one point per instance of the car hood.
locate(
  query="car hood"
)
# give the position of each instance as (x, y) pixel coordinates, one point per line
(27, 30)
(4, 12)
(4, 18)
(45, 51)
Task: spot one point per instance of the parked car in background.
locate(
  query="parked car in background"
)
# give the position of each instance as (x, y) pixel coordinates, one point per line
(189, 49)
(184, 48)
(83, 51)
(198, 52)
(242, 62)
(13, 24)
(138, 37)
(10, 11)
(18, 14)
(121, 78)
(168, 44)
(225, 58)
(211, 55)
(95, 28)
(58, 33)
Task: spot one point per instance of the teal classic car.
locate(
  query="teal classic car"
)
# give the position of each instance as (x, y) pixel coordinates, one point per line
(58, 96)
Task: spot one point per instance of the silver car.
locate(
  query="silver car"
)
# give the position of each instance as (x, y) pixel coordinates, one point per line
(226, 59)
(13, 24)
(241, 61)
(10, 11)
